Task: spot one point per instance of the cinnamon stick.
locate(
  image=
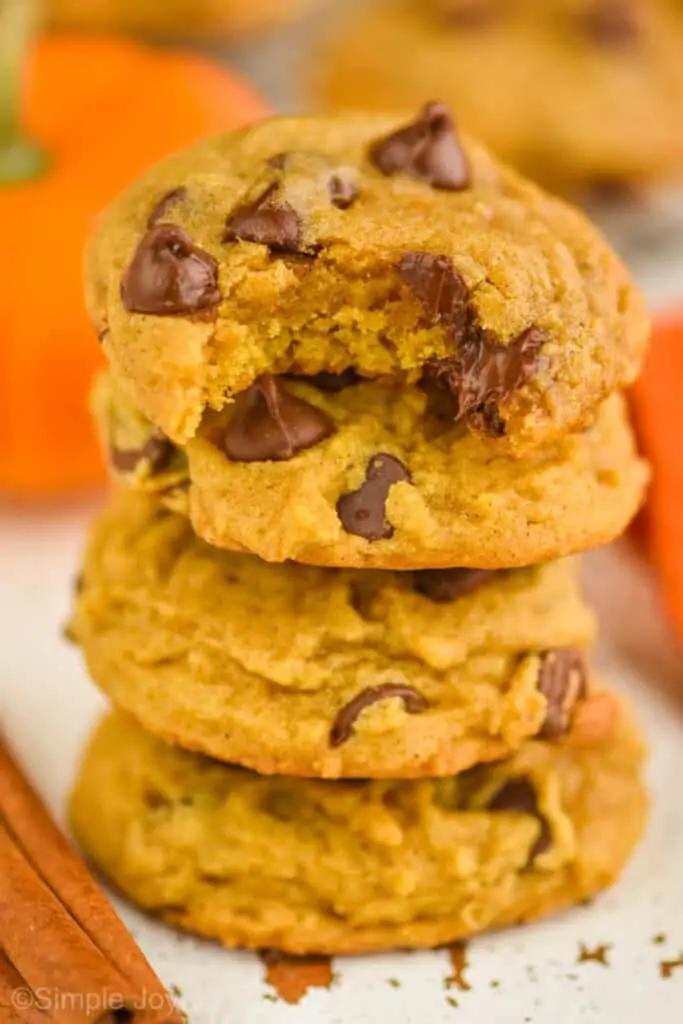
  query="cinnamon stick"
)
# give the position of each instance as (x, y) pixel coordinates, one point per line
(18, 1004)
(57, 928)
(48, 948)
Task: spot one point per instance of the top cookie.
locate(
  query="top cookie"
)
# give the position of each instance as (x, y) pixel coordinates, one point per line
(396, 250)
(577, 93)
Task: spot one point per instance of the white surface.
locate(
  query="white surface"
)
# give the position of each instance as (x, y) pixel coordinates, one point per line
(47, 706)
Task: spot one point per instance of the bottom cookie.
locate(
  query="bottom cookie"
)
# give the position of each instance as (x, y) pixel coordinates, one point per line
(309, 866)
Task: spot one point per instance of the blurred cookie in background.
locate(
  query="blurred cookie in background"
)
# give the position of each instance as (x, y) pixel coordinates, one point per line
(585, 96)
(183, 19)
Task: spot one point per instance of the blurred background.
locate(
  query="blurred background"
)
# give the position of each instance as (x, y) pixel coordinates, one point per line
(586, 96)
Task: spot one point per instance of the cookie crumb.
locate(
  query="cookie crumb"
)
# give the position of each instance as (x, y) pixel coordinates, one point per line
(667, 967)
(597, 955)
(459, 963)
(292, 976)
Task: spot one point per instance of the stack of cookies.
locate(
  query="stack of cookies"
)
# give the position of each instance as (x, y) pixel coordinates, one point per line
(363, 403)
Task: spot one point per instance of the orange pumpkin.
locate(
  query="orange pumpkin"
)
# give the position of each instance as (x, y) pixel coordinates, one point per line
(656, 403)
(101, 109)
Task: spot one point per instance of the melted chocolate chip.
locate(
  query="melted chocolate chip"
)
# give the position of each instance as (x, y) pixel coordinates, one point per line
(177, 195)
(342, 730)
(442, 291)
(270, 425)
(484, 372)
(169, 276)
(445, 585)
(563, 682)
(269, 221)
(157, 451)
(329, 381)
(518, 796)
(363, 512)
(612, 24)
(427, 149)
(343, 191)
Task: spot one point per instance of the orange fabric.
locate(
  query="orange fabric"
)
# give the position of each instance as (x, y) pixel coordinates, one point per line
(658, 408)
(104, 109)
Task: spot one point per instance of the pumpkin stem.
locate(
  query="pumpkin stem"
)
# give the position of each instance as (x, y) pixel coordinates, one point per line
(20, 160)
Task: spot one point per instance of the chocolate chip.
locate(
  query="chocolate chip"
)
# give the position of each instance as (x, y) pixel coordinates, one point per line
(441, 290)
(612, 24)
(427, 149)
(342, 730)
(329, 381)
(614, 192)
(469, 13)
(158, 451)
(268, 220)
(154, 800)
(363, 512)
(563, 682)
(177, 195)
(343, 191)
(518, 796)
(278, 162)
(169, 276)
(484, 372)
(445, 585)
(270, 425)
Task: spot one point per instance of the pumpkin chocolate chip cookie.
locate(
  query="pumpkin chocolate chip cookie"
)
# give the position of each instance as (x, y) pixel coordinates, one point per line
(578, 94)
(360, 866)
(365, 246)
(335, 471)
(329, 672)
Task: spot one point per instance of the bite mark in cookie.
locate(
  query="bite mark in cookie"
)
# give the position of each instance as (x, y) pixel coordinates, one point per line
(271, 425)
(169, 276)
(563, 682)
(342, 730)
(363, 512)
(428, 149)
